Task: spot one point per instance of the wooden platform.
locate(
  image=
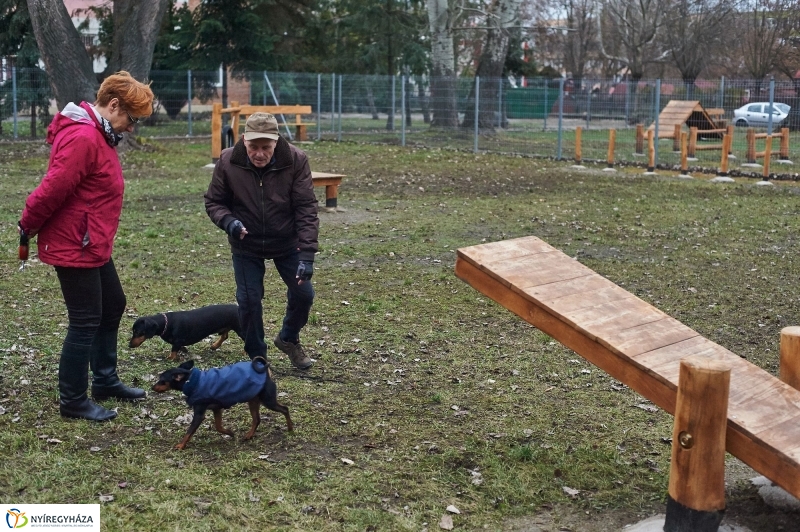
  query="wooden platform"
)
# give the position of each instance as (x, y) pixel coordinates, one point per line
(331, 183)
(689, 112)
(637, 344)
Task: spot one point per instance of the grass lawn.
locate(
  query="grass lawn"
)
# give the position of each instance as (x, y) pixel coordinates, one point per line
(425, 394)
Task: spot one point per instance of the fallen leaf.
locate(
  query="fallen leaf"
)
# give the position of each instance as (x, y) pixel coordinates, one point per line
(106, 498)
(122, 485)
(647, 408)
(94, 449)
(446, 522)
(53, 440)
(252, 497)
(347, 461)
(571, 492)
(453, 510)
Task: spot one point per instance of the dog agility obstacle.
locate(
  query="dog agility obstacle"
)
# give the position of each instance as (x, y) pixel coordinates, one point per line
(720, 401)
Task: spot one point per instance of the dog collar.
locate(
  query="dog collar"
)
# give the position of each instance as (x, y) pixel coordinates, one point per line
(165, 324)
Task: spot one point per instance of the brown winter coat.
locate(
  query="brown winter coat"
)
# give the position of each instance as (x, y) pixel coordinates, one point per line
(279, 210)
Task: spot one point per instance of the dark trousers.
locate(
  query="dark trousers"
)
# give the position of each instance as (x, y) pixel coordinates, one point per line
(249, 274)
(95, 301)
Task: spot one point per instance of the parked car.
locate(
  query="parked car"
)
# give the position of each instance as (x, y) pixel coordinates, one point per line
(757, 114)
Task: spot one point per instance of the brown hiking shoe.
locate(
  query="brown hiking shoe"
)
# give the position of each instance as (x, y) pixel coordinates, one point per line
(296, 354)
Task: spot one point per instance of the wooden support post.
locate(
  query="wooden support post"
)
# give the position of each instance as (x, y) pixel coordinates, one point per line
(639, 149)
(784, 153)
(216, 131)
(767, 157)
(723, 163)
(612, 139)
(790, 357)
(684, 157)
(750, 154)
(651, 152)
(676, 138)
(729, 131)
(578, 145)
(692, 142)
(696, 499)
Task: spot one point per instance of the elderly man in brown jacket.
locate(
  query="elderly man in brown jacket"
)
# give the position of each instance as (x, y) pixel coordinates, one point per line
(262, 195)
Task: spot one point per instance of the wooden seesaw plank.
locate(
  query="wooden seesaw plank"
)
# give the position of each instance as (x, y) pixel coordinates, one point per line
(637, 344)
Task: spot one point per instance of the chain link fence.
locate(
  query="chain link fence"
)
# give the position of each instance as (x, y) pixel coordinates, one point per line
(557, 118)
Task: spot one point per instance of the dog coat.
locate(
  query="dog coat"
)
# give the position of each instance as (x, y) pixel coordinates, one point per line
(224, 386)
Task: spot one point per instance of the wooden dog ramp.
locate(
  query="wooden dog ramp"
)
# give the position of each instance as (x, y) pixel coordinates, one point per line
(678, 112)
(637, 344)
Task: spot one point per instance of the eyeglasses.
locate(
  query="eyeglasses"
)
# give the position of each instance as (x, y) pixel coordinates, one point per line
(132, 119)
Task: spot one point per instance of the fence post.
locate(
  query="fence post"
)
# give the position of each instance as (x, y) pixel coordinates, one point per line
(189, 90)
(477, 106)
(578, 145)
(339, 136)
(627, 103)
(14, 103)
(696, 498)
(546, 107)
(771, 104)
(403, 110)
(676, 138)
(721, 97)
(612, 139)
(723, 163)
(500, 103)
(560, 116)
(588, 104)
(333, 102)
(264, 99)
(319, 106)
(658, 112)
(394, 103)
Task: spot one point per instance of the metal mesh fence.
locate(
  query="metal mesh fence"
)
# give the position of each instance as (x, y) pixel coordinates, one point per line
(558, 118)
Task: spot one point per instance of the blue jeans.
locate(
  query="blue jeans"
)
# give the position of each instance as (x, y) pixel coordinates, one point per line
(249, 274)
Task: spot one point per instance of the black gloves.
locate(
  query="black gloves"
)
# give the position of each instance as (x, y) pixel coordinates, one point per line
(234, 229)
(305, 270)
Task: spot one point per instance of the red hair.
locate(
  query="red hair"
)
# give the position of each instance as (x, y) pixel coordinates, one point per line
(134, 96)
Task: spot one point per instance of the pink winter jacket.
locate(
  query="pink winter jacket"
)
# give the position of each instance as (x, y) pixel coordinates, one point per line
(75, 210)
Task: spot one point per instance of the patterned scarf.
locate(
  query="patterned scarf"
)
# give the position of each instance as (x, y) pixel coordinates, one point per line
(111, 137)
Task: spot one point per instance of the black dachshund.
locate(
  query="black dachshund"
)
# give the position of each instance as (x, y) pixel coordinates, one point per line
(219, 388)
(188, 327)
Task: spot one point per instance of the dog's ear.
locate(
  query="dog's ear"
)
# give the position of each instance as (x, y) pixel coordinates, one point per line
(189, 364)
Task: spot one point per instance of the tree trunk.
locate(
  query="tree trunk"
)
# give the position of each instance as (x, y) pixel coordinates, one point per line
(423, 101)
(33, 120)
(68, 65)
(443, 73)
(371, 103)
(136, 27)
(502, 15)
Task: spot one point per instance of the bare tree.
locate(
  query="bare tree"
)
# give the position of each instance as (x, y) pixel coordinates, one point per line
(501, 16)
(635, 24)
(692, 34)
(580, 39)
(760, 38)
(69, 66)
(443, 74)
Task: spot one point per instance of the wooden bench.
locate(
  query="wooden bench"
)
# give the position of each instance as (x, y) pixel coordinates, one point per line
(331, 183)
(639, 345)
(238, 111)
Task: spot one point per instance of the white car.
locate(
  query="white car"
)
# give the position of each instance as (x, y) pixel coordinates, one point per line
(757, 114)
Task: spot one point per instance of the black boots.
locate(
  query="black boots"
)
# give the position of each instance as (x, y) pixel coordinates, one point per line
(73, 379)
(103, 360)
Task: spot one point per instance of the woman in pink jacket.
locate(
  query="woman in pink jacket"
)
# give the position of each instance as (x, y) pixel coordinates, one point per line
(75, 213)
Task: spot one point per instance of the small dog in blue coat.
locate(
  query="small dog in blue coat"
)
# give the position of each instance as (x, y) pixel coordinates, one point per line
(219, 388)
